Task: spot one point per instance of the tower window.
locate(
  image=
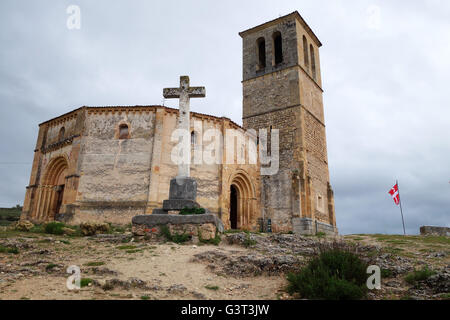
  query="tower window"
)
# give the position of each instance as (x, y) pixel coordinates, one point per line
(193, 138)
(123, 131)
(305, 52)
(313, 61)
(261, 45)
(62, 131)
(278, 48)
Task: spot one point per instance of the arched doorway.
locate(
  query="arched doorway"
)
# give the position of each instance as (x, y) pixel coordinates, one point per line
(233, 207)
(51, 197)
(242, 202)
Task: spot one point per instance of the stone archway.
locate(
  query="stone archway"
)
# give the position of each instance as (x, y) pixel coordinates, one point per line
(51, 194)
(242, 202)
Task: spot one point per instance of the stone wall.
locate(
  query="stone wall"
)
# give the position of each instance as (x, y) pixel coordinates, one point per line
(437, 231)
(114, 172)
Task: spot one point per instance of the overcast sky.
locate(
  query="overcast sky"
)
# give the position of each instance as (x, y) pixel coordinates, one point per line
(385, 70)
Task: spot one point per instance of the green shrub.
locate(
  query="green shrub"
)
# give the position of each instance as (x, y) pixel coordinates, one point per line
(321, 234)
(12, 250)
(386, 273)
(127, 247)
(334, 275)
(214, 241)
(177, 238)
(192, 211)
(39, 228)
(419, 275)
(180, 238)
(94, 264)
(445, 296)
(210, 287)
(145, 298)
(85, 282)
(54, 228)
(50, 267)
(248, 242)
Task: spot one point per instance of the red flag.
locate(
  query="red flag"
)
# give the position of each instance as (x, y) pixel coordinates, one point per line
(394, 194)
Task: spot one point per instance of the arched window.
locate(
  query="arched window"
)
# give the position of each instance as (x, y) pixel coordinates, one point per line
(261, 46)
(313, 61)
(277, 48)
(193, 138)
(62, 131)
(305, 52)
(123, 131)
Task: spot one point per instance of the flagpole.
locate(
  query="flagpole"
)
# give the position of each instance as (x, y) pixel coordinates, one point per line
(401, 210)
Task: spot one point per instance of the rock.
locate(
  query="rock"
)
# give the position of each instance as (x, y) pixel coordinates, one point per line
(23, 225)
(102, 271)
(68, 231)
(125, 284)
(198, 295)
(93, 228)
(207, 231)
(113, 283)
(440, 282)
(437, 255)
(113, 238)
(176, 289)
(249, 264)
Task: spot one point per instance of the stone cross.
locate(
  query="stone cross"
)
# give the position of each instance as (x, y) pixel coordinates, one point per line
(184, 93)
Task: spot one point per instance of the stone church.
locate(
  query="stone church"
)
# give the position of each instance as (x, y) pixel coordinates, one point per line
(112, 163)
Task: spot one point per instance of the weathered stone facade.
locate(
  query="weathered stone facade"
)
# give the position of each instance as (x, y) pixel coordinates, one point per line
(105, 178)
(282, 90)
(108, 164)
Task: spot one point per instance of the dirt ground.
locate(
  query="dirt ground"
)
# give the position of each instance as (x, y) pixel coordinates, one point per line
(166, 268)
(128, 268)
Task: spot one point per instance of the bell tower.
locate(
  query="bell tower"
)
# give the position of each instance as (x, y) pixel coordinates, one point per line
(282, 89)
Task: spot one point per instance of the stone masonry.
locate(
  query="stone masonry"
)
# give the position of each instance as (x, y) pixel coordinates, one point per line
(286, 94)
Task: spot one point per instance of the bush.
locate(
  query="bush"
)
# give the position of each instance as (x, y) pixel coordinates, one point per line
(333, 275)
(192, 211)
(419, 275)
(50, 267)
(54, 228)
(386, 273)
(12, 250)
(248, 242)
(321, 234)
(177, 238)
(37, 229)
(210, 287)
(85, 282)
(94, 264)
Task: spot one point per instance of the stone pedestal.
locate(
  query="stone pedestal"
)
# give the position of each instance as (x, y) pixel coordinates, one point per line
(183, 188)
(308, 226)
(182, 194)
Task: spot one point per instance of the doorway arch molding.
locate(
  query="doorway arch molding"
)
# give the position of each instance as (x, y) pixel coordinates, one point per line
(51, 190)
(246, 199)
